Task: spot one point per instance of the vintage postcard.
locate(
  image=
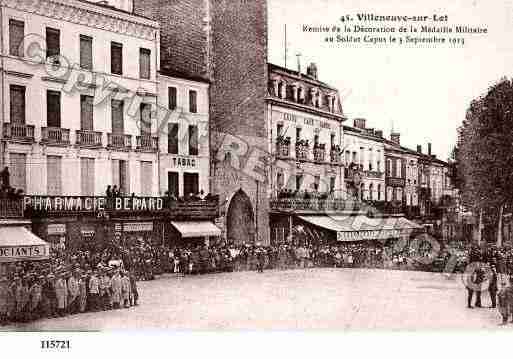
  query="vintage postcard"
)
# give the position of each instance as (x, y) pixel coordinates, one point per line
(269, 165)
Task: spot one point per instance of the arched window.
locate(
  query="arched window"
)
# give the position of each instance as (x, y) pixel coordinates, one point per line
(371, 192)
(379, 192)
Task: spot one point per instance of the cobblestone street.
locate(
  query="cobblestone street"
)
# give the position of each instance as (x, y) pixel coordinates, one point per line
(337, 299)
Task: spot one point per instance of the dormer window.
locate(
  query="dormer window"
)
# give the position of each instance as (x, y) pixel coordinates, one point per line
(301, 94)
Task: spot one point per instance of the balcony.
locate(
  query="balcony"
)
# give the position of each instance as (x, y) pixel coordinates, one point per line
(282, 150)
(19, 132)
(319, 154)
(353, 172)
(147, 143)
(335, 157)
(11, 208)
(119, 142)
(302, 151)
(199, 210)
(55, 136)
(374, 174)
(314, 205)
(90, 139)
(395, 182)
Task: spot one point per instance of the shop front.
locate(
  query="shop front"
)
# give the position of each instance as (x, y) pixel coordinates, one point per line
(196, 233)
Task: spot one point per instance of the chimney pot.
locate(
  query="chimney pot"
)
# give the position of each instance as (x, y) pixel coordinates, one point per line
(395, 137)
(359, 123)
(429, 148)
(311, 70)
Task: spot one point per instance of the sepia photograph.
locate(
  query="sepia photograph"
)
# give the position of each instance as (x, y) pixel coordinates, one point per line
(255, 165)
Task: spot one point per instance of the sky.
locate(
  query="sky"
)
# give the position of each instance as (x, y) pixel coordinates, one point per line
(423, 92)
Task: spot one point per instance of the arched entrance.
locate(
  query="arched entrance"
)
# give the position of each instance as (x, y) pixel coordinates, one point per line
(240, 219)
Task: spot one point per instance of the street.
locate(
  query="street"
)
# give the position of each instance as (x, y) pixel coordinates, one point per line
(336, 299)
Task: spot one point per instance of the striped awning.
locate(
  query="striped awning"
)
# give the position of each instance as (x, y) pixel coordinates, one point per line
(197, 229)
(17, 243)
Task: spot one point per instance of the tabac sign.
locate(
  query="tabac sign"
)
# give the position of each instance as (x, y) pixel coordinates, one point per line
(91, 204)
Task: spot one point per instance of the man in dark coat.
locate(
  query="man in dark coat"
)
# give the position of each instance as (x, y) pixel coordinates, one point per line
(493, 287)
(475, 280)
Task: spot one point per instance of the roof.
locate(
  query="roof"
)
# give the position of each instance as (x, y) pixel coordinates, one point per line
(183, 76)
(300, 76)
(110, 7)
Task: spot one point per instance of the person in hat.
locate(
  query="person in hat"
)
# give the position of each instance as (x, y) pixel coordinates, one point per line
(125, 289)
(493, 287)
(82, 293)
(73, 292)
(94, 292)
(115, 287)
(60, 293)
(35, 291)
(133, 289)
(105, 289)
(49, 296)
(503, 301)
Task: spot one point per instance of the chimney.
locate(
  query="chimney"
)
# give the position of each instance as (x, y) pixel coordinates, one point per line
(429, 148)
(419, 148)
(312, 70)
(379, 133)
(395, 137)
(359, 123)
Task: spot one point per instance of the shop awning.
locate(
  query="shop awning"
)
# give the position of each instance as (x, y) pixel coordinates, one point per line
(197, 229)
(360, 227)
(19, 244)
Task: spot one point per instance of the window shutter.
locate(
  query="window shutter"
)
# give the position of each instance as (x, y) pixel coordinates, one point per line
(86, 113)
(53, 109)
(193, 140)
(86, 52)
(118, 126)
(16, 35)
(145, 119)
(193, 97)
(173, 138)
(17, 104)
(144, 63)
(146, 178)
(172, 98)
(172, 179)
(18, 170)
(87, 176)
(53, 42)
(116, 58)
(54, 181)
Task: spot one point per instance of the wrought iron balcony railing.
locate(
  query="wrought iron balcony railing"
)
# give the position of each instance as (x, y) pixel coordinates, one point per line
(315, 205)
(119, 141)
(282, 150)
(89, 138)
(19, 132)
(147, 143)
(55, 136)
(319, 154)
(302, 152)
(11, 208)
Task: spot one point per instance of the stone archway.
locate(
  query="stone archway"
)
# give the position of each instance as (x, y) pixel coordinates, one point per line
(240, 219)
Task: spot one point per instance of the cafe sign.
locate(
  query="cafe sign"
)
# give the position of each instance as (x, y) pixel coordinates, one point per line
(80, 204)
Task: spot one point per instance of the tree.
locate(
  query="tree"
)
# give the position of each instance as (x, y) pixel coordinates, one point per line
(485, 152)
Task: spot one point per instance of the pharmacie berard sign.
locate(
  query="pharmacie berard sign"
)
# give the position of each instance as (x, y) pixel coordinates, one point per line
(80, 204)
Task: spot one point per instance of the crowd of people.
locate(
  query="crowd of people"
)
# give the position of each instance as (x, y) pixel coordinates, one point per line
(68, 283)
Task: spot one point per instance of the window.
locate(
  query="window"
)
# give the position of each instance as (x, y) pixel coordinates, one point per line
(316, 140)
(86, 52)
(172, 98)
(298, 134)
(86, 113)
(116, 58)
(279, 130)
(53, 108)
(348, 157)
(120, 175)
(172, 183)
(172, 142)
(388, 169)
(145, 119)
(54, 175)
(354, 157)
(118, 126)
(53, 42)
(379, 192)
(144, 63)
(299, 182)
(317, 181)
(18, 170)
(16, 35)
(193, 101)
(17, 104)
(87, 176)
(190, 183)
(332, 140)
(279, 180)
(332, 184)
(146, 178)
(193, 140)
